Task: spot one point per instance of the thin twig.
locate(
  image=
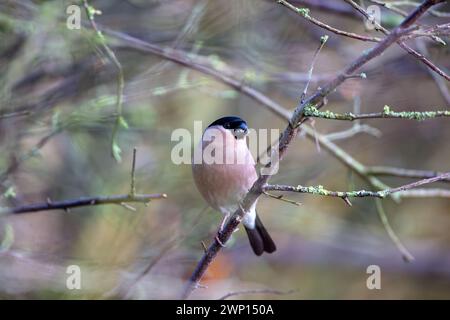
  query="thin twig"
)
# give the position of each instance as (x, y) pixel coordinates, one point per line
(425, 193)
(304, 12)
(121, 199)
(282, 198)
(133, 174)
(387, 113)
(189, 27)
(14, 114)
(115, 149)
(444, 176)
(356, 128)
(257, 291)
(126, 289)
(440, 82)
(320, 190)
(323, 40)
(401, 172)
(83, 202)
(407, 256)
(29, 154)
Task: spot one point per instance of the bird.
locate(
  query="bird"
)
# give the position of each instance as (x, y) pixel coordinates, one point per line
(226, 172)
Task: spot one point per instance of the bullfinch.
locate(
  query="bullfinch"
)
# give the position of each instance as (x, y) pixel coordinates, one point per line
(225, 174)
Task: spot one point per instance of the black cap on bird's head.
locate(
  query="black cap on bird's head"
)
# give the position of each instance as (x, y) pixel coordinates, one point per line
(235, 124)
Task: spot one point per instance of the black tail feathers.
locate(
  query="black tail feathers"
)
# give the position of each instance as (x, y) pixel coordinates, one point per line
(260, 239)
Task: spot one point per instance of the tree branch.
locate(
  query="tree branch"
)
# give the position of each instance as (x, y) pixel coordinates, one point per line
(323, 40)
(401, 172)
(122, 199)
(407, 256)
(31, 153)
(320, 190)
(387, 113)
(83, 202)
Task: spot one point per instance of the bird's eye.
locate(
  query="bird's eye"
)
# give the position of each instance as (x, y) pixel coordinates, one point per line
(227, 126)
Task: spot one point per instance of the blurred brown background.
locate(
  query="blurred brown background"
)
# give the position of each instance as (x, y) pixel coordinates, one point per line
(324, 246)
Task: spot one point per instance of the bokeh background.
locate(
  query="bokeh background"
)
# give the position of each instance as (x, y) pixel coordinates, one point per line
(55, 78)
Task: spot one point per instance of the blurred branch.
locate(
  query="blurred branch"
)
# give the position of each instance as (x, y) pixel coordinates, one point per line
(287, 76)
(83, 202)
(125, 290)
(304, 12)
(344, 158)
(440, 82)
(14, 114)
(401, 172)
(288, 136)
(256, 291)
(407, 256)
(115, 149)
(195, 63)
(390, 7)
(426, 193)
(357, 128)
(190, 27)
(133, 174)
(326, 5)
(122, 199)
(281, 198)
(419, 183)
(31, 153)
(387, 113)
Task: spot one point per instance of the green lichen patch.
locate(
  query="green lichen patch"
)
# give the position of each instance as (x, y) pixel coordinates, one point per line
(414, 115)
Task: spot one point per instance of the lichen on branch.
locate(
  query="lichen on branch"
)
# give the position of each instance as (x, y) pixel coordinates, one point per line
(312, 112)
